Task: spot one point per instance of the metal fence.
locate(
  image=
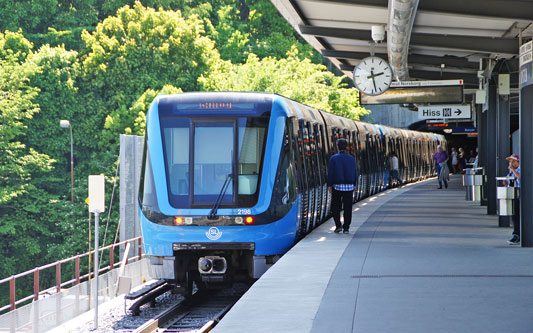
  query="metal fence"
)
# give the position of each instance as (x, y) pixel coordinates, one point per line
(57, 265)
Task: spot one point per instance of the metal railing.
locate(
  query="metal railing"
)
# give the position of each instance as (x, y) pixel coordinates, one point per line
(77, 277)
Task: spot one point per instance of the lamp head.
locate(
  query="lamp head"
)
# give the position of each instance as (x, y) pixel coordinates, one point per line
(64, 123)
(378, 33)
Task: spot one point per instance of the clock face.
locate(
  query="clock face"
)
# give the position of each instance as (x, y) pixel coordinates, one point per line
(372, 76)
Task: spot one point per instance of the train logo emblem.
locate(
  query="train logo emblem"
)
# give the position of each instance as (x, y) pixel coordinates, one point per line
(213, 233)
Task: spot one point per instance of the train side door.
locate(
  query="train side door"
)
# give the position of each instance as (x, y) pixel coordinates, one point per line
(315, 172)
(301, 171)
(304, 125)
(322, 188)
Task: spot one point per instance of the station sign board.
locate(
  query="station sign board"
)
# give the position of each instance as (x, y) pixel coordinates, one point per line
(464, 130)
(418, 92)
(433, 83)
(445, 111)
(526, 64)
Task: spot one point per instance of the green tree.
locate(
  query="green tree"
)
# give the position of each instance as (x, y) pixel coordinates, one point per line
(55, 77)
(133, 122)
(300, 80)
(20, 197)
(241, 27)
(139, 49)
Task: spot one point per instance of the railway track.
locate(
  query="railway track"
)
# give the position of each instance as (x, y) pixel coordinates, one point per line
(200, 313)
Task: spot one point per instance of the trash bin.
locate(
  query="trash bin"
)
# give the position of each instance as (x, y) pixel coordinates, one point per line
(506, 196)
(473, 182)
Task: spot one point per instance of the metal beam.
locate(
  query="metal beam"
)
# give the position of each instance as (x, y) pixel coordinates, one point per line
(518, 10)
(472, 43)
(510, 9)
(469, 79)
(475, 43)
(449, 61)
(526, 157)
(364, 35)
(503, 142)
(492, 130)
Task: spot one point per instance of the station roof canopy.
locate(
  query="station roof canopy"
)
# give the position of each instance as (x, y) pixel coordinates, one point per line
(431, 39)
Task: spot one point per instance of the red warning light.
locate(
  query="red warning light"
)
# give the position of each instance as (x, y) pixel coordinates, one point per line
(249, 220)
(178, 220)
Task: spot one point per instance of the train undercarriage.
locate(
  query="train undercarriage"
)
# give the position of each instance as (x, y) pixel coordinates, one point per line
(211, 266)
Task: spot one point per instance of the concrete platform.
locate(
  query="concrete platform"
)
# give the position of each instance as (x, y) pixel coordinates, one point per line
(417, 259)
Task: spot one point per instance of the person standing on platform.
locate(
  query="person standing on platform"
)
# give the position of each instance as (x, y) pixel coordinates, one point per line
(461, 160)
(476, 160)
(454, 161)
(395, 168)
(342, 180)
(472, 157)
(514, 172)
(441, 160)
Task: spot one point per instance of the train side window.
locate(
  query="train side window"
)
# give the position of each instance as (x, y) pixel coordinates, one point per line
(283, 191)
(251, 145)
(177, 152)
(321, 151)
(346, 136)
(310, 151)
(335, 135)
(296, 151)
(302, 150)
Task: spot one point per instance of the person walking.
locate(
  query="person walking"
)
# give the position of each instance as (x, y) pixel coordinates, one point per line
(443, 173)
(514, 173)
(342, 180)
(395, 168)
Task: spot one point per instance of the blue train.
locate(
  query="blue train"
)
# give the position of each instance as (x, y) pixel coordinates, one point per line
(232, 180)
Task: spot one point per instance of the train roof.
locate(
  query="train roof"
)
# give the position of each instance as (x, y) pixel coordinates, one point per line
(233, 96)
(297, 109)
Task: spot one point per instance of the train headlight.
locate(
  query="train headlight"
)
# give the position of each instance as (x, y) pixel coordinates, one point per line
(219, 265)
(212, 265)
(205, 265)
(239, 220)
(249, 220)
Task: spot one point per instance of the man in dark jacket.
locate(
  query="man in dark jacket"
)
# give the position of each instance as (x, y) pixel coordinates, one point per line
(342, 180)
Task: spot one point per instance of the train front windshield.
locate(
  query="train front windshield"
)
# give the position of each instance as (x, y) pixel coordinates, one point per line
(207, 157)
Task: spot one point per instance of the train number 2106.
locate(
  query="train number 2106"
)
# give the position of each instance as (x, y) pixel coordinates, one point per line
(244, 211)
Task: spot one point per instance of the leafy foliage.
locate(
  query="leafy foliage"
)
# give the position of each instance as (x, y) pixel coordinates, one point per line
(21, 198)
(300, 80)
(136, 114)
(139, 49)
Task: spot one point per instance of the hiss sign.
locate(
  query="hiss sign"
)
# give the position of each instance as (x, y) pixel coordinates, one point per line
(450, 111)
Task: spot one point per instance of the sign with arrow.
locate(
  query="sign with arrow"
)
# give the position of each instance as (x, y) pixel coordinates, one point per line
(447, 111)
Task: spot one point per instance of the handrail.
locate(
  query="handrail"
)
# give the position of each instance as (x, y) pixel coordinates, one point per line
(35, 271)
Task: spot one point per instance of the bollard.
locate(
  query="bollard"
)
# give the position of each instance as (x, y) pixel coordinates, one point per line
(473, 182)
(506, 196)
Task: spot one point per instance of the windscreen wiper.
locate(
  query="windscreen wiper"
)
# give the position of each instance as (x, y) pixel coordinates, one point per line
(213, 213)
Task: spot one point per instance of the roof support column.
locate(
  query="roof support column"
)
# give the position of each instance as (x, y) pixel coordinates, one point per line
(482, 148)
(492, 129)
(526, 160)
(503, 144)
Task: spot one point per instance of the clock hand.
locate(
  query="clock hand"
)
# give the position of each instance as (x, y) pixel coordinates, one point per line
(374, 75)
(373, 80)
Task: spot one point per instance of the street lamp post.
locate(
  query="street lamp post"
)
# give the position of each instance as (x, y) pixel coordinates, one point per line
(66, 124)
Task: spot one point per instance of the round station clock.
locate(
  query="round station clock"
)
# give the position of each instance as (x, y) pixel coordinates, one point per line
(372, 76)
